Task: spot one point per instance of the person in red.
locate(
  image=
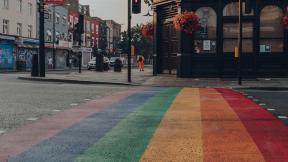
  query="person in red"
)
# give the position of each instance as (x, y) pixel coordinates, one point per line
(141, 63)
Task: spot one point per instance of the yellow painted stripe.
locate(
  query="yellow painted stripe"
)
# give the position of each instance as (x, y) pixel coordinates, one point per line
(179, 135)
(225, 138)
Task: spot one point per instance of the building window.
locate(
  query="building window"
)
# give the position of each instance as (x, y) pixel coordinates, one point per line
(5, 4)
(64, 20)
(205, 38)
(49, 36)
(30, 6)
(20, 5)
(232, 9)
(93, 28)
(97, 29)
(29, 31)
(230, 33)
(5, 26)
(57, 18)
(271, 30)
(19, 29)
(88, 26)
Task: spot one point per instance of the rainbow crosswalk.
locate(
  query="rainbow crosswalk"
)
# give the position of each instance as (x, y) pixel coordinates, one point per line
(161, 124)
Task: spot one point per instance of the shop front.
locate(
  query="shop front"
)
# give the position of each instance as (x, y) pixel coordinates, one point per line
(209, 52)
(26, 48)
(7, 52)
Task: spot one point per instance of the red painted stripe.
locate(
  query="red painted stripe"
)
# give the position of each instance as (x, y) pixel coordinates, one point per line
(23, 138)
(269, 133)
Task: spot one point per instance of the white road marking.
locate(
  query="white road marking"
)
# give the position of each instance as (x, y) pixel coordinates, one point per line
(282, 117)
(32, 119)
(267, 79)
(87, 99)
(262, 104)
(56, 110)
(271, 109)
(74, 104)
(2, 131)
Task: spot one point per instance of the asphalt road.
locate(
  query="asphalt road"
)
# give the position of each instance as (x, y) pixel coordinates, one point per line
(22, 102)
(275, 101)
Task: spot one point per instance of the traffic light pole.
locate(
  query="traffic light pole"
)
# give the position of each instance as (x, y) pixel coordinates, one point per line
(42, 40)
(240, 42)
(129, 40)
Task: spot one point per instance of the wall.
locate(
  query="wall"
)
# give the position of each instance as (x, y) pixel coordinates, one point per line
(14, 17)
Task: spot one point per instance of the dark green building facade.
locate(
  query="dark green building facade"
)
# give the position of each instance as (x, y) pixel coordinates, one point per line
(210, 51)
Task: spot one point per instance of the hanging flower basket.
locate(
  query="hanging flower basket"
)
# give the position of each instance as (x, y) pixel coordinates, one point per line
(147, 31)
(187, 22)
(285, 22)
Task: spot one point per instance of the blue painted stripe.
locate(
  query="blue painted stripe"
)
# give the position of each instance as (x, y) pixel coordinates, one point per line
(67, 145)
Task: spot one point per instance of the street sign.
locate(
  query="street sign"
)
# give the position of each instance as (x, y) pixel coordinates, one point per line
(54, 1)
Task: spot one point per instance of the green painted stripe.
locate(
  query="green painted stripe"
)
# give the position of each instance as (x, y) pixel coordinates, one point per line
(128, 140)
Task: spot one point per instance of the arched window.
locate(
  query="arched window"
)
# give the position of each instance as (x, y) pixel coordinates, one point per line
(232, 9)
(271, 30)
(205, 38)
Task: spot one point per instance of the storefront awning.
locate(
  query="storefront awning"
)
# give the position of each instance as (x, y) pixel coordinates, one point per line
(7, 37)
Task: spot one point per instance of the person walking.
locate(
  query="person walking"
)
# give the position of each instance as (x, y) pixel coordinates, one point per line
(141, 63)
(50, 63)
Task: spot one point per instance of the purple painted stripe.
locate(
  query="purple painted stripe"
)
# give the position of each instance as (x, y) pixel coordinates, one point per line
(23, 138)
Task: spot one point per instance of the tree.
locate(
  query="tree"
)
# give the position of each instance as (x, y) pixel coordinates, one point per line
(142, 45)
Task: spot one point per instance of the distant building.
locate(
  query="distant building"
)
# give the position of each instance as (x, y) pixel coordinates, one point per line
(58, 35)
(17, 33)
(113, 36)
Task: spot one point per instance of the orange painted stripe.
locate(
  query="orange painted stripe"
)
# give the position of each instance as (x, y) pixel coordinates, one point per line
(225, 138)
(179, 135)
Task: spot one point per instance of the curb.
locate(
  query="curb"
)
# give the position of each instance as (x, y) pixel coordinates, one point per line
(75, 81)
(264, 88)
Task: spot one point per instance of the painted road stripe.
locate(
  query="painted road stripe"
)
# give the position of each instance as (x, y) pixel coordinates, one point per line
(178, 138)
(224, 136)
(269, 133)
(18, 140)
(127, 141)
(71, 142)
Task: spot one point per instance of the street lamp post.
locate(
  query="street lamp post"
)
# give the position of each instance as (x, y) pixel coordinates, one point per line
(129, 40)
(42, 40)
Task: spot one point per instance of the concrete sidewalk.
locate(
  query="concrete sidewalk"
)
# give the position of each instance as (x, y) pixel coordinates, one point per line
(163, 80)
(171, 80)
(94, 77)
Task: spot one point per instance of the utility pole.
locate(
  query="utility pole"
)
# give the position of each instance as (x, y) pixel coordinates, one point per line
(129, 40)
(54, 37)
(240, 42)
(42, 40)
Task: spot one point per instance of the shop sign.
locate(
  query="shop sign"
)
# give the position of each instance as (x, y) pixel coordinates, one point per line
(54, 1)
(64, 44)
(87, 50)
(206, 45)
(265, 48)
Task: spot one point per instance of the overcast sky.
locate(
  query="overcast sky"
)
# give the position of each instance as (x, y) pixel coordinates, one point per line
(115, 10)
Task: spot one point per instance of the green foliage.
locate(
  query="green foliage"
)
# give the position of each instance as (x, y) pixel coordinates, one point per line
(142, 45)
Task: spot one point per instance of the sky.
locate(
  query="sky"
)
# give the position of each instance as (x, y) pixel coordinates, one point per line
(115, 10)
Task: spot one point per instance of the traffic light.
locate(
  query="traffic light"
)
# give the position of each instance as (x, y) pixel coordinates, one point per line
(248, 7)
(136, 6)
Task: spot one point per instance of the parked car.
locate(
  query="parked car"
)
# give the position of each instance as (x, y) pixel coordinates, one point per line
(113, 59)
(92, 63)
